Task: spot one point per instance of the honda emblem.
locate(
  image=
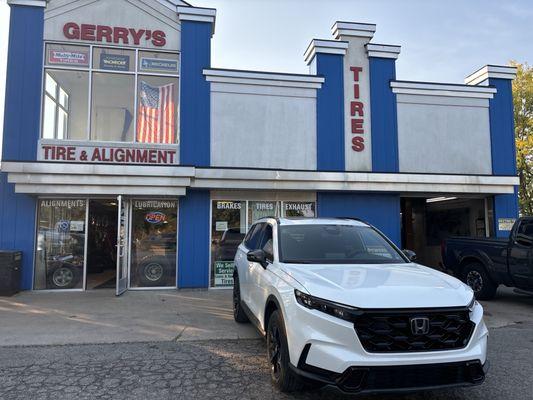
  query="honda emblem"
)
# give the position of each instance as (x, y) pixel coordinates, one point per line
(420, 326)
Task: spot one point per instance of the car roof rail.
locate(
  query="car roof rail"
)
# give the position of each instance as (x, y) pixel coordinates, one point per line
(355, 219)
(269, 216)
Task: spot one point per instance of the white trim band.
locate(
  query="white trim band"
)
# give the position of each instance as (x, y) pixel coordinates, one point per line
(383, 50)
(197, 14)
(353, 29)
(263, 79)
(483, 74)
(324, 47)
(62, 178)
(433, 89)
(28, 3)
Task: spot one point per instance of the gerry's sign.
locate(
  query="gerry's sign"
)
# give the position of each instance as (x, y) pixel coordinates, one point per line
(113, 34)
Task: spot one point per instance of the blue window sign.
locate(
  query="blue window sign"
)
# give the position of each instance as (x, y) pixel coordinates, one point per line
(115, 62)
(158, 64)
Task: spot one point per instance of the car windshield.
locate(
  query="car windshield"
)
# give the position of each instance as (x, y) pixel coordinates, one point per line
(335, 244)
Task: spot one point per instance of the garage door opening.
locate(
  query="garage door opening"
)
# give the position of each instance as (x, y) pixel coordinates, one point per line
(426, 222)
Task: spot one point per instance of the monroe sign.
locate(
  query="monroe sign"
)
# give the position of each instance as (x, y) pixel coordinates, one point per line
(113, 155)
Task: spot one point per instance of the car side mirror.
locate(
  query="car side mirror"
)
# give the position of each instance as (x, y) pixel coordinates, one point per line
(524, 240)
(410, 254)
(257, 256)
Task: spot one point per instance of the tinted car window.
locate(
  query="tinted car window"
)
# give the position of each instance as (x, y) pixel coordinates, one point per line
(252, 240)
(266, 243)
(335, 244)
(526, 228)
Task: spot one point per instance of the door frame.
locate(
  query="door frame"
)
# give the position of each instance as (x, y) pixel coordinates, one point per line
(123, 243)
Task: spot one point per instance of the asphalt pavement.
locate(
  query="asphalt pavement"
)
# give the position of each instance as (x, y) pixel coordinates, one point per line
(218, 369)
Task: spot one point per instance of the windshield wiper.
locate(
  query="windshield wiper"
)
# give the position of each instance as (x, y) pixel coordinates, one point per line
(296, 262)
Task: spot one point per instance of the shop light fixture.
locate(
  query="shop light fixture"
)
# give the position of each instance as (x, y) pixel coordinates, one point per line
(438, 199)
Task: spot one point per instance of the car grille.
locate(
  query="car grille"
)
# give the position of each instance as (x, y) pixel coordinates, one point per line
(386, 331)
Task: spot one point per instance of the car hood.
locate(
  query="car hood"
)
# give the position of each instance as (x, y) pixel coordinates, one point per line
(381, 285)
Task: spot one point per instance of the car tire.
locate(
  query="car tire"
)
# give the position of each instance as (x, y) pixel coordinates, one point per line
(283, 377)
(475, 276)
(238, 312)
(153, 272)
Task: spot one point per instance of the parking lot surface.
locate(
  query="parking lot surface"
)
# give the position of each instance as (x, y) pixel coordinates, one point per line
(185, 345)
(218, 369)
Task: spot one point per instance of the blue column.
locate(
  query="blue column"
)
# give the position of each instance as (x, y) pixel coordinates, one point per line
(21, 130)
(330, 113)
(195, 135)
(384, 115)
(503, 148)
(380, 210)
(193, 240)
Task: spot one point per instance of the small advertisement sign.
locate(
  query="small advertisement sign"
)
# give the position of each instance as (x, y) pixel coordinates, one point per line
(77, 226)
(224, 273)
(115, 62)
(221, 226)
(68, 57)
(159, 65)
(506, 224)
(155, 217)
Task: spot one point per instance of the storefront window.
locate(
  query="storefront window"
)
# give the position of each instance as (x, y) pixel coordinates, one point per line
(299, 209)
(116, 78)
(157, 110)
(112, 107)
(60, 244)
(261, 209)
(65, 105)
(228, 228)
(153, 246)
(231, 220)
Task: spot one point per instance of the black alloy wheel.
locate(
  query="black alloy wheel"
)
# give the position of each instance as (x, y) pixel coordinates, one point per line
(283, 377)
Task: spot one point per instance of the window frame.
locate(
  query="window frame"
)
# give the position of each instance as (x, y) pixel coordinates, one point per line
(89, 69)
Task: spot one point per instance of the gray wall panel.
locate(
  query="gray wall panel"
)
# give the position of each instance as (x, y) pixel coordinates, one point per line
(443, 138)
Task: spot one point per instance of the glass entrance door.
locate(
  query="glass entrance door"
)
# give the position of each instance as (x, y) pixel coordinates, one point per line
(122, 245)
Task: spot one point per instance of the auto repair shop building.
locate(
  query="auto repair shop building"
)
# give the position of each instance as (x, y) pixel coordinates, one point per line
(129, 161)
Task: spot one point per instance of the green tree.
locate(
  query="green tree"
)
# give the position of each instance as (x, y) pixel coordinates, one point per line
(523, 116)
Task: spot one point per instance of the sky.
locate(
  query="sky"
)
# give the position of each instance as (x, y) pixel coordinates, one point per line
(442, 41)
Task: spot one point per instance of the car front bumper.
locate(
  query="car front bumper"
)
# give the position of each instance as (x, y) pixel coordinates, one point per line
(397, 379)
(328, 349)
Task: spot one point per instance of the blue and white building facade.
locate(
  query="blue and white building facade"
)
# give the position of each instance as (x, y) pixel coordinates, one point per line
(128, 156)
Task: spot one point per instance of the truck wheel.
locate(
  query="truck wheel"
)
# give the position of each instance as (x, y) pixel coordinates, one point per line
(238, 313)
(475, 276)
(283, 377)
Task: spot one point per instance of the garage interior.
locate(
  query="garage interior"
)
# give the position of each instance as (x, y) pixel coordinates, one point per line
(427, 221)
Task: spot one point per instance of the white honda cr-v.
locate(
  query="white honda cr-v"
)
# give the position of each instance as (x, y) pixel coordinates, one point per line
(341, 305)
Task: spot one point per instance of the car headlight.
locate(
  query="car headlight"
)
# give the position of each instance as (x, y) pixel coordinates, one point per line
(341, 311)
(472, 305)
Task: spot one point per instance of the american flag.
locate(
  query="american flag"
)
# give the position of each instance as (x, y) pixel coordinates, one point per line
(156, 115)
